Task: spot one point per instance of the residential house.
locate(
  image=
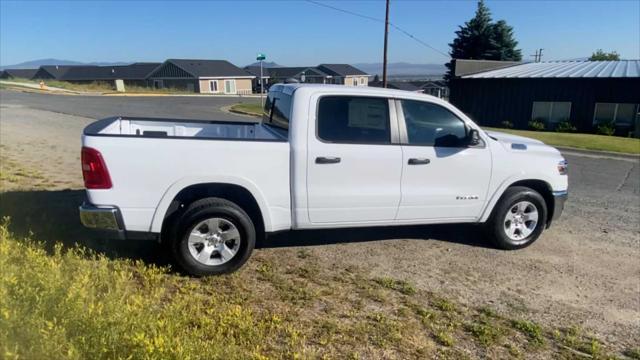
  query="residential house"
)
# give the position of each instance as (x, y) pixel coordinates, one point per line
(398, 85)
(202, 76)
(18, 73)
(266, 78)
(51, 72)
(586, 94)
(344, 74)
(437, 88)
(302, 74)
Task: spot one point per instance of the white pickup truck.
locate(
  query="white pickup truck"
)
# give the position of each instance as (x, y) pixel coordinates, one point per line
(323, 156)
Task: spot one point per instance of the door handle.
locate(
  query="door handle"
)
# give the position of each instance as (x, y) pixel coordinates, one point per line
(414, 161)
(327, 160)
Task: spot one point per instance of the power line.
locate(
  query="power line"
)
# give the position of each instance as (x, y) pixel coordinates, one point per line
(405, 32)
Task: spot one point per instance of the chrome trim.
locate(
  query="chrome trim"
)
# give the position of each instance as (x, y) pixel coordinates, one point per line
(107, 217)
(559, 199)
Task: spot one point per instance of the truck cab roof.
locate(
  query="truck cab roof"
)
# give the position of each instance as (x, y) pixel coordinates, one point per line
(353, 90)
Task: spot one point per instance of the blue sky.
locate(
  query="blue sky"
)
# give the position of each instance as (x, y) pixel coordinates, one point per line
(299, 32)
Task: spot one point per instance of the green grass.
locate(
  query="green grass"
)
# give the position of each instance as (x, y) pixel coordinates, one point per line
(580, 141)
(71, 303)
(247, 108)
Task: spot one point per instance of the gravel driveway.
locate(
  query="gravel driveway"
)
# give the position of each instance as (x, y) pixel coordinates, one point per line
(583, 271)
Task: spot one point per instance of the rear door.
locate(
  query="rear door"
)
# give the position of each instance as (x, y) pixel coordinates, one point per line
(443, 178)
(353, 171)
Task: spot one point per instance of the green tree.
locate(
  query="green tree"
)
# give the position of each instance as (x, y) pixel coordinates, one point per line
(482, 39)
(600, 55)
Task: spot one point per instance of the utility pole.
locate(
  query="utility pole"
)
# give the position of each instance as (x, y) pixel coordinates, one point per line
(538, 55)
(384, 58)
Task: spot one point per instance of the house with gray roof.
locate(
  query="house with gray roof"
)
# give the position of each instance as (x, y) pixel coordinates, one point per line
(588, 95)
(345, 74)
(202, 76)
(17, 73)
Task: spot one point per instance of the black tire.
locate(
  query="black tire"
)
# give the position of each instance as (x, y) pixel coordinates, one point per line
(496, 224)
(202, 210)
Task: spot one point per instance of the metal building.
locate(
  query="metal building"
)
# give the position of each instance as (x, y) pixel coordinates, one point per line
(584, 93)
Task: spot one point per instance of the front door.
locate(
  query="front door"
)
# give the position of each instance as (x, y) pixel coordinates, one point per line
(442, 178)
(353, 169)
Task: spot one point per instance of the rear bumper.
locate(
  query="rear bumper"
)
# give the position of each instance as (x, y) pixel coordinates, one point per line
(559, 198)
(103, 217)
(108, 219)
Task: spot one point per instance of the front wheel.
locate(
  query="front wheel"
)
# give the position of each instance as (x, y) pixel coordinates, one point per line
(213, 236)
(519, 218)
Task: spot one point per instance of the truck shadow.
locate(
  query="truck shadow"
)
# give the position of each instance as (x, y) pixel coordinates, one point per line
(52, 217)
(458, 233)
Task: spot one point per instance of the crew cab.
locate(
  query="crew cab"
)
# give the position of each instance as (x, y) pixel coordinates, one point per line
(323, 156)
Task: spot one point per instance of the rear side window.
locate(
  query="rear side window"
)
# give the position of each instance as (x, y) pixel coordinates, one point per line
(352, 119)
(277, 109)
(432, 125)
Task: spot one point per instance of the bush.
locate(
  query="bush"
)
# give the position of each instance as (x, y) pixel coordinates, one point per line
(73, 304)
(536, 125)
(607, 128)
(507, 124)
(566, 127)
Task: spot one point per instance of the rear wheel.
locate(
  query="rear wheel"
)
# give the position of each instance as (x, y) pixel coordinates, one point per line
(519, 218)
(213, 236)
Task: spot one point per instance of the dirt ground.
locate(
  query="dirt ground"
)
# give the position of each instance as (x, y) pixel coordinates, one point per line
(584, 271)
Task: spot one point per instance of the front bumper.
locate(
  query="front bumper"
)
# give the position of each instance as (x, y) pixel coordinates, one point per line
(101, 217)
(559, 198)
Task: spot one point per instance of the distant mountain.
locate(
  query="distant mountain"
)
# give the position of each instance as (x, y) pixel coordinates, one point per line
(34, 64)
(266, 64)
(402, 68)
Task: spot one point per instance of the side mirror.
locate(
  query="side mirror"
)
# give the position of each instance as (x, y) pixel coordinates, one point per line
(473, 137)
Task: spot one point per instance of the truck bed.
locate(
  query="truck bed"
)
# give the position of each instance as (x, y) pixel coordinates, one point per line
(184, 129)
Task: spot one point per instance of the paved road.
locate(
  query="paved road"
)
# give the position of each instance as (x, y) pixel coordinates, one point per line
(186, 107)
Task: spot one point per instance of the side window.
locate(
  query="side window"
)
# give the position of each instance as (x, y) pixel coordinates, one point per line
(432, 125)
(349, 119)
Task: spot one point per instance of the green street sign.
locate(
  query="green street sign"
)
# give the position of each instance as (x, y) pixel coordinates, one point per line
(261, 57)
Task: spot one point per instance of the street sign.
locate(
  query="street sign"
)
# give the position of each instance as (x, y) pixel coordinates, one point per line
(261, 57)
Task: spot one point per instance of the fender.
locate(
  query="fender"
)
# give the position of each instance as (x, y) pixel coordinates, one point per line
(176, 187)
(497, 194)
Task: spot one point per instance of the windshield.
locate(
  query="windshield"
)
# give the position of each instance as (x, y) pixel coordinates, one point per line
(277, 109)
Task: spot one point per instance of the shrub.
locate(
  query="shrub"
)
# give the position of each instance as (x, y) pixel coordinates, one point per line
(565, 126)
(607, 128)
(507, 124)
(74, 304)
(536, 125)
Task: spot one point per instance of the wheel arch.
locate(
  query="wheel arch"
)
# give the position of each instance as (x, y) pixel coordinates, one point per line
(539, 185)
(179, 196)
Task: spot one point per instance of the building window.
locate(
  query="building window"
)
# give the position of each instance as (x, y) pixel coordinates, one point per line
(362, 81)
(213, 86)
(229, 86)
(158, 84)
(551, 113)
(622, 115)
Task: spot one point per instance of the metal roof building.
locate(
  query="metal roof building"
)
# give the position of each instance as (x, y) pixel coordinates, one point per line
(565, 69)
(586, 94)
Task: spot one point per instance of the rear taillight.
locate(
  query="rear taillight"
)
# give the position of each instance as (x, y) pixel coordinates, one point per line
(94, 170)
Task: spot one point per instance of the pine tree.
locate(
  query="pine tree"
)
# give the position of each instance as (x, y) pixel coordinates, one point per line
(481, 39)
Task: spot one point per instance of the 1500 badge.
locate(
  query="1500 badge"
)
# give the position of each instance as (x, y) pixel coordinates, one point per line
(467, 197)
